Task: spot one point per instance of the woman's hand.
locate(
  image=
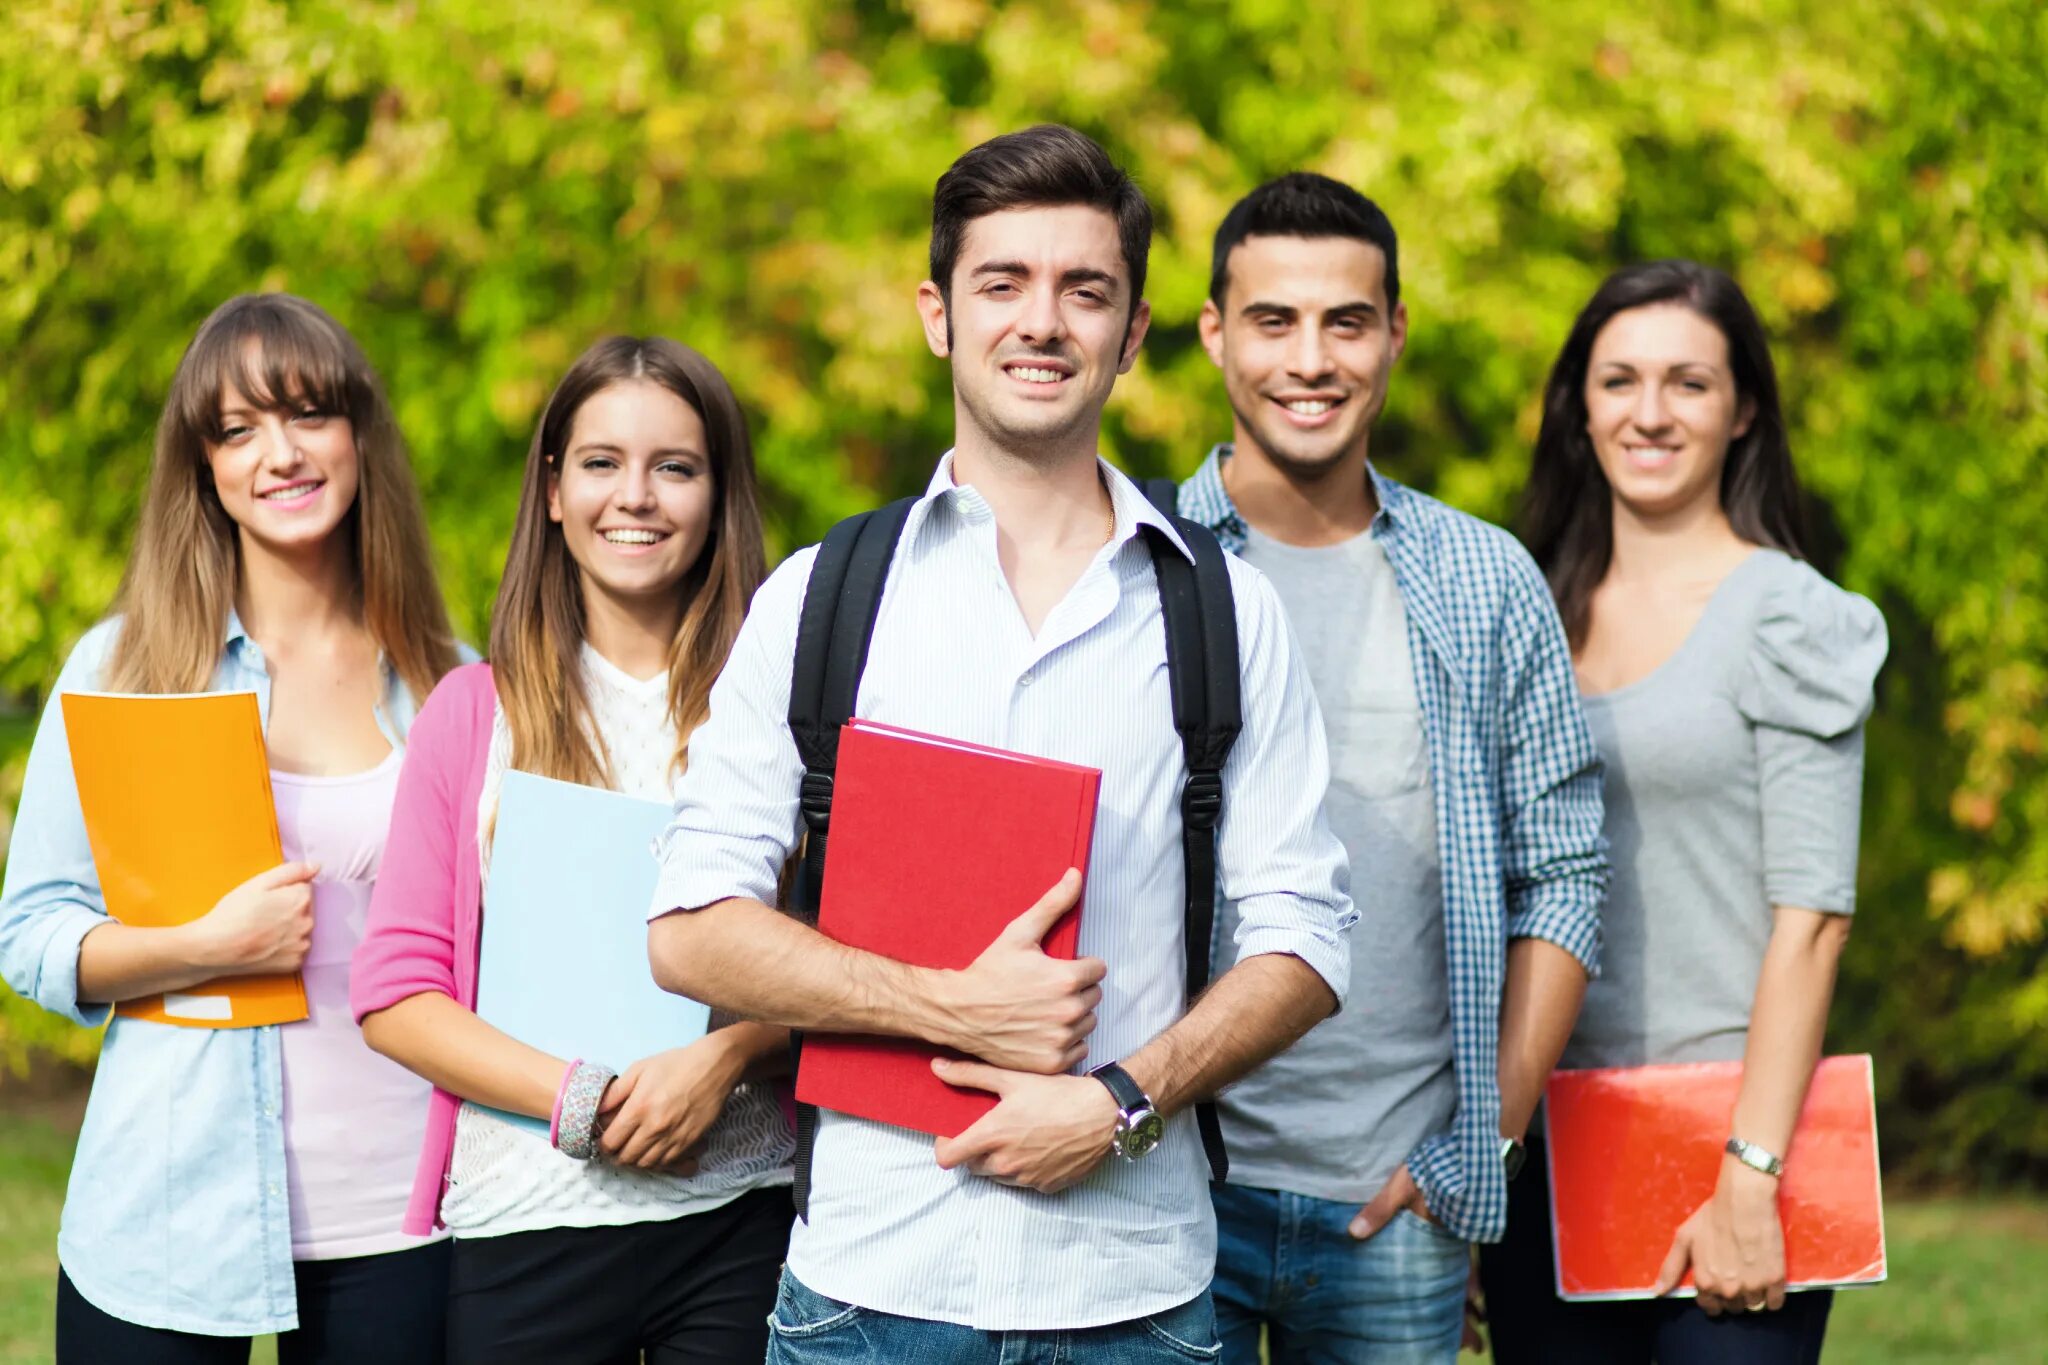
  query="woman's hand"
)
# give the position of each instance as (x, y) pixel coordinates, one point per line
(1735, 1244)
(263, 925)
(656, 1114)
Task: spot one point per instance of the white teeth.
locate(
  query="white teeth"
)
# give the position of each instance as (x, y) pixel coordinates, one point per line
(631, 537)
(1035, 375)
(1310, 407)
(288, 492)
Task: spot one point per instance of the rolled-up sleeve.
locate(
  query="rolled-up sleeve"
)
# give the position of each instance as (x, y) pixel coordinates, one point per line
(1553, 852)
(1276, 855)
(51, 898)
(736, 819)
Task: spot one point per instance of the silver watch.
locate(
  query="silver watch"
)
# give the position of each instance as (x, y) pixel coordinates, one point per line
(1139, 1126)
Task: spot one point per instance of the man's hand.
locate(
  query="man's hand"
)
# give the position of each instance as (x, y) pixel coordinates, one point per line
(1735, 1245)
(1018, 1009)
(1045, 1133)
(656, 1114)
(1400, 1192)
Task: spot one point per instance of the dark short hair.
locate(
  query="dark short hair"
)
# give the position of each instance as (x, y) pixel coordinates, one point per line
(1044, 166)
(1567, 517)
(1304, 204)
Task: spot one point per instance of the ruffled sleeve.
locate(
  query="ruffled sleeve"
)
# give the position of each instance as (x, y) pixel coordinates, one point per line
(1813, 665)
(1808, 686)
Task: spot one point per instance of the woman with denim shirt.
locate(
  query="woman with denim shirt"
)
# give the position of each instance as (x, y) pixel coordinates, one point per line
(229, 1183)
(1726, 683)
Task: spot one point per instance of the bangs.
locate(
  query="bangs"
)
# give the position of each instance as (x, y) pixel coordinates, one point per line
(280, 353)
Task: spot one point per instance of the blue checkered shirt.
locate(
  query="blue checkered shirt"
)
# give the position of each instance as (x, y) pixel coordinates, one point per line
(1517, 793)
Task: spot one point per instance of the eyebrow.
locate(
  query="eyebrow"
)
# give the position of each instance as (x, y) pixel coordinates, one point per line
(606, 447)
(1707, 365)
(1080, 274)
(1268, 306)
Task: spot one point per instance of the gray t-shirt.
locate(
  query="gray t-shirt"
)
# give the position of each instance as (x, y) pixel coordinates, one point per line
(1333, 1116)
(1734, 784)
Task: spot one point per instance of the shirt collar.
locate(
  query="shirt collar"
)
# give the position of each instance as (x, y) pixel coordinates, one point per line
(1204, 498)
(1129, 503)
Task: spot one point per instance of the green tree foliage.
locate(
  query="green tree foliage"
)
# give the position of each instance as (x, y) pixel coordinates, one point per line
(479, 190)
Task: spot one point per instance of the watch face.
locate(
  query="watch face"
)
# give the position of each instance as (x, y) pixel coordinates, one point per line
(1140, 1133)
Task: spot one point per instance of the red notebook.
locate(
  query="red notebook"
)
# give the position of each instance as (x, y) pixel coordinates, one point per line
(936, 845)
(1634, 1150)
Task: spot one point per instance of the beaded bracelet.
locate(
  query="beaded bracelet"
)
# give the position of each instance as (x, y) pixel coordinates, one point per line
(572, 1127)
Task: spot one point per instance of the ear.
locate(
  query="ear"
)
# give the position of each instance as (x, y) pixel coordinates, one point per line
(554, 491)
(1745, 417)
(931, 307)
(1399, 331)
(1210, 325)
(1134, 336)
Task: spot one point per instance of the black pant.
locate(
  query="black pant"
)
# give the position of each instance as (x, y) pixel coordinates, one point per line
(684, 1290)
(1532, 1326)
(386, 1308)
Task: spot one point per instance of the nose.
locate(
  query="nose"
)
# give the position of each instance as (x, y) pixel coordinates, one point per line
(1041, 323)
(635, 488)
(1310, 362)
(280, 446)
(1650, 413)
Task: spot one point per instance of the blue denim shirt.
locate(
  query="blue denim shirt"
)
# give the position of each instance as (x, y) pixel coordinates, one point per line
(1518, 795)
(176, 1215)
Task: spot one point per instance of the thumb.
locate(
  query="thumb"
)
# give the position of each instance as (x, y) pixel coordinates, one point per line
(1675, 1262)
(287, 874)
(1382, 1207)
(1034, 924)
(972, 1075)
(616, 1092)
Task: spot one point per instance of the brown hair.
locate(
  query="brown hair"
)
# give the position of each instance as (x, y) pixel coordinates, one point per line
(1043, 166)
(278, 351)
(537, 624)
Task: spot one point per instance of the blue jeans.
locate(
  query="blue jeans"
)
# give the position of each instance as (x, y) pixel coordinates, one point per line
(1287, 1263)
(807, 1328)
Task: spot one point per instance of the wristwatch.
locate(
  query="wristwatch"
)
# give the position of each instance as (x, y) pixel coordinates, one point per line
(1512, 1156)
(1138, 1125)
(1755, 1157)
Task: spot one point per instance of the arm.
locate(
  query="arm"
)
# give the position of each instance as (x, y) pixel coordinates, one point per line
(263, 925)
(1540, 1004)
(1735, 1243)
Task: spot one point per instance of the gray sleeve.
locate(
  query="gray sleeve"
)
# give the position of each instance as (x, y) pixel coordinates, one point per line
(1808, 688)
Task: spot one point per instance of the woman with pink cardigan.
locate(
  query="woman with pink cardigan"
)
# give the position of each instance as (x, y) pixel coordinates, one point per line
(648, 1220)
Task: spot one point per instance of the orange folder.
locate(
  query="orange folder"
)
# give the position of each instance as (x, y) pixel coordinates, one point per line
(1633, 1151)
(176, 794)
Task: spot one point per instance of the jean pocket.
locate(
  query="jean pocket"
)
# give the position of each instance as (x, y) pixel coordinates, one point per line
(1430, 1229)
(801, 1311)
(1189, 1330)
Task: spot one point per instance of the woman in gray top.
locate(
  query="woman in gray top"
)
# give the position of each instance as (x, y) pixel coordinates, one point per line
(1726, 683)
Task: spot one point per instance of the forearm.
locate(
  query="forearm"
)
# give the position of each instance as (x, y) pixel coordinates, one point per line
(119, 962)
(760, 1050)
(434, 1037)
(751, 960)
(1539, 1005)
(1255, 1010)
(1787, 1025)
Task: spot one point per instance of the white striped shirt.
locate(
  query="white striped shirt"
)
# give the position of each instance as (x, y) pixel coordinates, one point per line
(889, 1230)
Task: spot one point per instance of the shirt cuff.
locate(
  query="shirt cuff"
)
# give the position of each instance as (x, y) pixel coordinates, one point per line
(56, 986)
(1574, 928)
(696, 872)
(1437, 1172)
(1330, 958)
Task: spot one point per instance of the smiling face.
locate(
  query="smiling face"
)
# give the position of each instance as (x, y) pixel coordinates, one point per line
(1306, 343)
(286, 472)
(633, 491)
(1662, 407)
(1040, 324)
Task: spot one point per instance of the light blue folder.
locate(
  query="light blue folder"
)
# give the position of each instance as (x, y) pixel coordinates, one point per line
(563, 961)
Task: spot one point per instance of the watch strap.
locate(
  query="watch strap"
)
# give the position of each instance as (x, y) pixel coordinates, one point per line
(1130, 1097)
(1755, 1157)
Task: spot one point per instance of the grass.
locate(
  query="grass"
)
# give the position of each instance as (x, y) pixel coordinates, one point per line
(1966, 1273)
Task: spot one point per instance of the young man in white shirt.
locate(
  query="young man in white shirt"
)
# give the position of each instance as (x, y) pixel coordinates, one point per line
(1022, 610)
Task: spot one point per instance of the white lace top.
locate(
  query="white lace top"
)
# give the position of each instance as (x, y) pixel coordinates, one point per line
(507, 1179)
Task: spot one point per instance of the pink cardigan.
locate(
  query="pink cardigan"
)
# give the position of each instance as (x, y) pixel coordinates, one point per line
(427, 908)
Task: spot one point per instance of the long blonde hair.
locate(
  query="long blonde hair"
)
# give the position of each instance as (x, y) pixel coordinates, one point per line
(537, 622)
(186, 563)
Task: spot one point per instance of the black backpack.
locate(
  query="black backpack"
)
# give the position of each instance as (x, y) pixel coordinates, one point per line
(841, 603)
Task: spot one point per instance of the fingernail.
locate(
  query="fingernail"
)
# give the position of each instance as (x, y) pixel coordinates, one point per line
(1360, 1228)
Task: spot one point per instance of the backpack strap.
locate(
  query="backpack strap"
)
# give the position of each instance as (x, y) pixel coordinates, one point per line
(1202, 671)
(841, 601)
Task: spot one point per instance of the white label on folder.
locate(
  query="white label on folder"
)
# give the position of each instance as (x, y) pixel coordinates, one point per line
(180, 1006)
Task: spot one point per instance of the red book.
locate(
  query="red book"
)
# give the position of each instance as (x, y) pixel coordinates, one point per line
(936, 846)
(1634, 1151)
